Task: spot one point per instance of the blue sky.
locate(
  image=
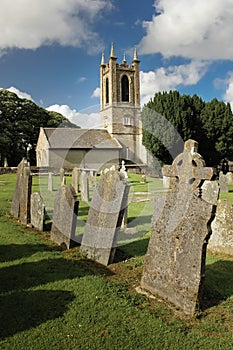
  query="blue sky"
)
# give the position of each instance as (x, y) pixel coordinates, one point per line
(50, 51)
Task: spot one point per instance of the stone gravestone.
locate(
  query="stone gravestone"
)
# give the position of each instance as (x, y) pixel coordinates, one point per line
(84, 186)
(50, 181)
(175, 260)
(223, 182)
(75, 179)
(221, 240)
(105, 216)
(65, 216)
(20, 207)
(37, 211)
(62, 177)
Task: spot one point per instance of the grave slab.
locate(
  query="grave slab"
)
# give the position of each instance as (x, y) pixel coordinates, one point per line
(65, 216)
(109, 202)
(37, 211)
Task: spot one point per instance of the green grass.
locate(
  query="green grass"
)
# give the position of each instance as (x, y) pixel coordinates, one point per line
(54, 299)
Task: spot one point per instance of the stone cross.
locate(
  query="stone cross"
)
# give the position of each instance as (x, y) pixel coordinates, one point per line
(175, 260)
(65, 216)
(109, 202)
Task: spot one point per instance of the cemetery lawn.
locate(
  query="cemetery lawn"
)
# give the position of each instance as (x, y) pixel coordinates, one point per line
(54, 299)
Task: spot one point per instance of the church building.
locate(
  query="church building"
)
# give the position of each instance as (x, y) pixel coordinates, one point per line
(120, 110)
(120, 136)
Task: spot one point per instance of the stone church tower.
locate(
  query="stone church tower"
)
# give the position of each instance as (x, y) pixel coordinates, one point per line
(120, 110)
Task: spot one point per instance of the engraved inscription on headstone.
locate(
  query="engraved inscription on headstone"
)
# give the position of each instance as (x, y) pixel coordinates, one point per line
(65, 216)
(175, 260)
(105, 216)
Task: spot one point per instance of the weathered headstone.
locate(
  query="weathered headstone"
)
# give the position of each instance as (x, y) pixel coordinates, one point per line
(37, 211)
(20, 207)
(143, 179)
(223, 182)
(18, 187)
(123, 169)
(175, 260)
(105, 216)
(221, 240)
(50, 181)
(75, 179)
(65, 216)
(84, 185)
(229, 177)
(62, 177)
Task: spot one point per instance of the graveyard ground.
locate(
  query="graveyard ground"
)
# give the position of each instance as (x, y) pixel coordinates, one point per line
(54, 299)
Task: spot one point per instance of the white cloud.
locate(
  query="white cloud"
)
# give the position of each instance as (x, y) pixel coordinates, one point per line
(82, 79)
(165, 79)
(83, 119)
(30, 24)
(228, 96)
(19, 93)
(96, 92)
(199, 29)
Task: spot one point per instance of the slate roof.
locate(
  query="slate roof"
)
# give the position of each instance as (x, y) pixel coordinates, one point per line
(72, 138)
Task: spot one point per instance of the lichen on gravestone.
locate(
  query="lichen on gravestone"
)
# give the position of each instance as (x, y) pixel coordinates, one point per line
(175, 260)
(107, 208)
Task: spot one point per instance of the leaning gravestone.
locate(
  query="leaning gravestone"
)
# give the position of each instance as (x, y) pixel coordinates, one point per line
(37, 211)
(20, 207)
(175, 260)
(65, 216)
(105, 217)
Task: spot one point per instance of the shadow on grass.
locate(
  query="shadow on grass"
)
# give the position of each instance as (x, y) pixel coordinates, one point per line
(27, 275)
(139, 220)
(218, 283)
(133, 249)
(11, 252)
(27, 309)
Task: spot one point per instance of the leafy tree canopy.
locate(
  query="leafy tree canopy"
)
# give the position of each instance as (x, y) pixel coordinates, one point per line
(20, 122)
(169, 119)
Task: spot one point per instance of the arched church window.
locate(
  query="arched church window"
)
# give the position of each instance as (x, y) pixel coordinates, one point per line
(125, 88)
(107, 91)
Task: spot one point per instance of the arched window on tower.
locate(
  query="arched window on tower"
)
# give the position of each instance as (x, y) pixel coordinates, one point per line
(125, 88)
(107, 91)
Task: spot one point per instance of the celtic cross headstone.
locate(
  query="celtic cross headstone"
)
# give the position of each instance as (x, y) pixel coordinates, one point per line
(175, 261)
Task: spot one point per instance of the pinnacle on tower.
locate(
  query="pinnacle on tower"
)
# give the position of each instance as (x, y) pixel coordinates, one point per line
(103, 59)
(124, 59)
(135, 56)
(112, 54)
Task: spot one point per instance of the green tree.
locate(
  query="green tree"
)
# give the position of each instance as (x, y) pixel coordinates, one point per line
(20, 122)
(170, 117)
